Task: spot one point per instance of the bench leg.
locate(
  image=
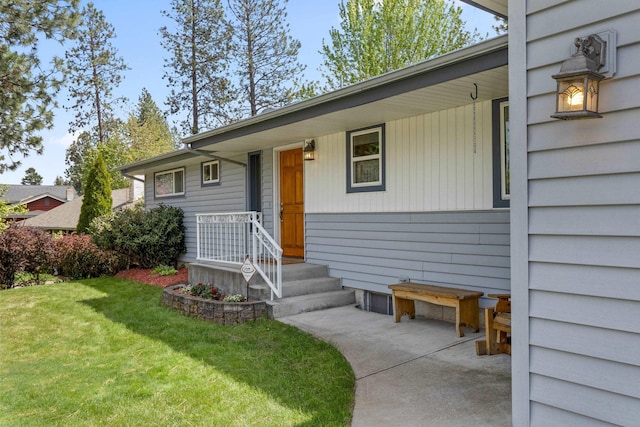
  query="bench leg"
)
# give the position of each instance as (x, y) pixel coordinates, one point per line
(403, 306)
(490, 333)
(467, 314)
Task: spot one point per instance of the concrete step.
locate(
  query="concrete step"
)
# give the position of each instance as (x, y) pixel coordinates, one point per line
(310, 286)
(298, 287)
(302, 271)
(312, 302)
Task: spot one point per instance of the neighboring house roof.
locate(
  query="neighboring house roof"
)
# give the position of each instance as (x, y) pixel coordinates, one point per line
(29, 193)
(65, 217)
(429, 86)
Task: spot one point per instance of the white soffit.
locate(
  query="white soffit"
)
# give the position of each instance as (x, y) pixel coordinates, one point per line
(492, 84)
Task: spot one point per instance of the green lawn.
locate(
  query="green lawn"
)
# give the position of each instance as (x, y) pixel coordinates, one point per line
(104, 352)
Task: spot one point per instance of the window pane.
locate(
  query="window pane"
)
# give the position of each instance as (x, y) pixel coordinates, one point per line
(206, 173)
(179, 181)
(164, 184)
(506, 166)
(366, 171)
(367, 144)
(214, 171)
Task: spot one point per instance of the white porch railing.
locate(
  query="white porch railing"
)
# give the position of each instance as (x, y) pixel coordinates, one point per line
(230, 237)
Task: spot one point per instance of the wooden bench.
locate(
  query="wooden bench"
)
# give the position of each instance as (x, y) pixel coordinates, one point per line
(464, 301)
(497, 327)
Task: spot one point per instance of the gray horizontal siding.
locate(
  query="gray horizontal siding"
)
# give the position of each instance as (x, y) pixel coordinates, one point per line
(373, 250)
(229, 196)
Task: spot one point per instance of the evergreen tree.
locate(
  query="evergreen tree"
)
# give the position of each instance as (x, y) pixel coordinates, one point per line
(60, 181)
(95, 71)
(97, 199)
(196, 71)
(27, 87)
(31, 177)
(147, 130)
(378, 36)
(265, 55)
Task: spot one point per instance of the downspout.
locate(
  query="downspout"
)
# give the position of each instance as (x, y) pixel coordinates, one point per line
(213, 156)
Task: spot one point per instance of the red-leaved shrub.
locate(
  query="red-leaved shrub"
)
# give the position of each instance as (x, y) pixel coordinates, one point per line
(27, 249)
(78, 257)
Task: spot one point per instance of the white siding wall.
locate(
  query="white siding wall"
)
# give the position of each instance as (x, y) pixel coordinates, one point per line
(580, 222)
(430, 166)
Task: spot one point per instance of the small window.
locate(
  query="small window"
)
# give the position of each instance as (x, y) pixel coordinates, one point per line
(211, 172)
(501, 165)
(365, 160)
(169, 183)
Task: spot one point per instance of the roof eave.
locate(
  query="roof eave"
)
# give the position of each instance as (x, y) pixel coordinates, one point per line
(325, 100)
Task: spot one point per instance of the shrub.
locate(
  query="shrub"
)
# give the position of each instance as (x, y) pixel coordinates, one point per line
(79, 258)
(24, 249)
(97, 194)
(145, 238)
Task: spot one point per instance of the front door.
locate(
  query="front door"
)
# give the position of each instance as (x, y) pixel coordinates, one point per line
(291, 203)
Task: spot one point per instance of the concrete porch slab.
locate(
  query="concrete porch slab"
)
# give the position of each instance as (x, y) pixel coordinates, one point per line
(416, 372)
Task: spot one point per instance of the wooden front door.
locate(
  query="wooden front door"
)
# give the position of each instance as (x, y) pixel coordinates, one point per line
(291, 203)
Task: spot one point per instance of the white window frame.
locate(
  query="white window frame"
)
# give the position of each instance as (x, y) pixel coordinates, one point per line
(378, 185)
(210, 164)
(173, 190)
(505, 168)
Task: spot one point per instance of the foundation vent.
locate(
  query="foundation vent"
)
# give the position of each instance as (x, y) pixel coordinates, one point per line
(378, 303)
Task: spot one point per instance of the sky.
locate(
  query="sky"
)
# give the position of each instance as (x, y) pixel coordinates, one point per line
(136, 24)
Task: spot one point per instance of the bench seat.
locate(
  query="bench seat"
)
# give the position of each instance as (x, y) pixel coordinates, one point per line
(464, 301)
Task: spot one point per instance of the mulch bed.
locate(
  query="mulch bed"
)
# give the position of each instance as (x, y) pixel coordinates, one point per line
(144, 275)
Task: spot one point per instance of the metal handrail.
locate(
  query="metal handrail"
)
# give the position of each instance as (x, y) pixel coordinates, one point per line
(229, 238)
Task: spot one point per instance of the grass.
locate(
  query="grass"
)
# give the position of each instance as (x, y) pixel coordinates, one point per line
(104, 352)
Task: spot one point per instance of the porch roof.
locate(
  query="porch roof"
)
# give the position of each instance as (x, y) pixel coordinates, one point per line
(497, 7)
(433, 85)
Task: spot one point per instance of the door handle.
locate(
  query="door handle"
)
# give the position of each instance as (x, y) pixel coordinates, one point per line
(281, 210)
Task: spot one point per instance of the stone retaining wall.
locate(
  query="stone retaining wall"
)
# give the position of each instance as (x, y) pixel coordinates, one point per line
(226, 313)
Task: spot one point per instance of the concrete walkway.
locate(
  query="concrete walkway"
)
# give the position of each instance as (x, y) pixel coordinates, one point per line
(416, 372)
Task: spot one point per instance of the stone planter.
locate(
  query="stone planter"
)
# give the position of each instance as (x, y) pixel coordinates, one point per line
(226, 313)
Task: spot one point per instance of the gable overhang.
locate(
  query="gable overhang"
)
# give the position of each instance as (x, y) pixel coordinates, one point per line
(496, 7)
(434, 85)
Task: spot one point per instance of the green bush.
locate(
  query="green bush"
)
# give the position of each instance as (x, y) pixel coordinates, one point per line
(145, 238)
(24, 249)
(164, 270)
(78, 257)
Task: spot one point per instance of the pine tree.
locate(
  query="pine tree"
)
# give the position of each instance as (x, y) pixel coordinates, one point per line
(27, 87)
(31, 177)
(196, 71)
(148, 133)
(95, 71)
(265, 55)
(376, 37)
(97, 199)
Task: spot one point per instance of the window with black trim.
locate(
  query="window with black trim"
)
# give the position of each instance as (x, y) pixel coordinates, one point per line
(169, 183)
(501, 165)
(365, 159)
(211, 172)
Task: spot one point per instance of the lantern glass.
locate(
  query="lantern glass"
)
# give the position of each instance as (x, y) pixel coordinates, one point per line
(571, 95)
(309, 155)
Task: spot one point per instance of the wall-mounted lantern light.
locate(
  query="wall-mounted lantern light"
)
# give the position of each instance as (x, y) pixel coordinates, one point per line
(579, 80)
(309, 149)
